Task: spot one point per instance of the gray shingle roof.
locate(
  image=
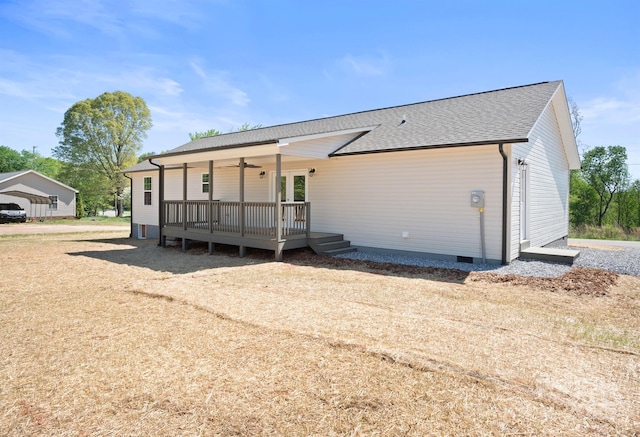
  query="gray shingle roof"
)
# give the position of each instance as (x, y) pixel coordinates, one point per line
(141, 166)
(505, 115)
(5, 176)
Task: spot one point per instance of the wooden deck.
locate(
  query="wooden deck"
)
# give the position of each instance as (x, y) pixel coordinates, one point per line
(242, 224)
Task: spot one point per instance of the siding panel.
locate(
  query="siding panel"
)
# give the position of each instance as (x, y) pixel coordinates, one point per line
(548, 184)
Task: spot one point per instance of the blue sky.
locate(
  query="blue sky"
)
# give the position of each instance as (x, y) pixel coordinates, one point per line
(202, 64)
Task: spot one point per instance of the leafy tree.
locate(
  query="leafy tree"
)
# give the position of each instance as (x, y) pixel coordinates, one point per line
(104, 135)
(209, 133)
(214, 132)
(582, 201)
(45, 165)
(94, 188)
(144, 156)
(11, 160)
(605, 170)
(147, 155)
(634, 190)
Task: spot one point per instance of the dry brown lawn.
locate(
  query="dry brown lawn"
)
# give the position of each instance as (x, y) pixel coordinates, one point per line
(103, 335)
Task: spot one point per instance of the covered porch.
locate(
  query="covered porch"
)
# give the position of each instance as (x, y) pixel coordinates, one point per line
(282, 221)
(262, 198)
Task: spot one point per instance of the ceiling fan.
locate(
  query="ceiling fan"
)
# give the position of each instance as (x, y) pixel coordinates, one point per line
(246, 165)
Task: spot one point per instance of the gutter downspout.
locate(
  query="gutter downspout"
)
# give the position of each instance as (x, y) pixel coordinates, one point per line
(160, 198)
(505, 168)
(130, 206)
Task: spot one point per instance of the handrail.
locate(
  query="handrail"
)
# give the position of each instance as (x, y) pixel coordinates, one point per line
(223, 216)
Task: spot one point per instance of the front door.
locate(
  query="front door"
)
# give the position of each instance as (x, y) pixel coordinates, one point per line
(293, 186)
(294, 193)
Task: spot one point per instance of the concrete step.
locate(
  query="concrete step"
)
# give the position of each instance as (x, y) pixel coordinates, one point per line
(565, 256)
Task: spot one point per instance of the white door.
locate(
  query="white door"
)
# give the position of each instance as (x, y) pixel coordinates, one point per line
(524, 202)
(293, 186)
(294, 193)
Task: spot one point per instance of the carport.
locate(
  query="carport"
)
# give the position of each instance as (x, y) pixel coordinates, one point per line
(34, 199)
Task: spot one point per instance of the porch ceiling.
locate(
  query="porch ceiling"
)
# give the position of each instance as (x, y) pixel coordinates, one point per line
(316, 146)
(219, 154)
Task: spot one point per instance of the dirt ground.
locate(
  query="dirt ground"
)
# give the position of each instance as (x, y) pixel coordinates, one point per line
(107, 335)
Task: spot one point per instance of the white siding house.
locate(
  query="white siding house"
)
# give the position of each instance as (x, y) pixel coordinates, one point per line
(395, 179)
(37, 194)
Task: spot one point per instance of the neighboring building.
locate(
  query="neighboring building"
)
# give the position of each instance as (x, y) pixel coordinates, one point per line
(474, 177)
(39, 195)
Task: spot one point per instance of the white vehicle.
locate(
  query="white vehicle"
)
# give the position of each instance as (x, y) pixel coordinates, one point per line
(12, 213)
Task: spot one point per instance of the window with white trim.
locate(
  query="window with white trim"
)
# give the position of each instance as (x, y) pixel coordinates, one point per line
(147, 190)
(54, 202)
(205, 182)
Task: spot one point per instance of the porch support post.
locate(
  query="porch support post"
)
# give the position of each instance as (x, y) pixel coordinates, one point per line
(241, 198)
(210, 206)
(184, 204)
(278, 214)
(161, 239)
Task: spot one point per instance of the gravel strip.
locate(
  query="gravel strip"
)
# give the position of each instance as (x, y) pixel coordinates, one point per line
(620, 261)
(626, 262)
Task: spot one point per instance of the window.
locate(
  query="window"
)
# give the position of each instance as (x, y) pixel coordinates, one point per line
(147, 190)
(54, 202)
(205, 182)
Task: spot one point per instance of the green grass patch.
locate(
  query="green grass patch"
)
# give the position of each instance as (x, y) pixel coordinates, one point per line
(595, 334)
(84, 221)
(607, 232)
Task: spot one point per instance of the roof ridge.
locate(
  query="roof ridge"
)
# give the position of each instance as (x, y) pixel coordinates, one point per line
(379, 109)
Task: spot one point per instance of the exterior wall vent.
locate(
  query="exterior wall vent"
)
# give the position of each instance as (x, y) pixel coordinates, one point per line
(465, 259)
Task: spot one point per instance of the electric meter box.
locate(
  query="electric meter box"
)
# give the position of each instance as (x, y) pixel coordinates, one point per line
(477, 199)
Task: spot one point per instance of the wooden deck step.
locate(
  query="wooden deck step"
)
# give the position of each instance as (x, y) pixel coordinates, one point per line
(552, 254)
(324, 243)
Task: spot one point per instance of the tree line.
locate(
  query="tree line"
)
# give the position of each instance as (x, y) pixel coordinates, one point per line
(602, 192)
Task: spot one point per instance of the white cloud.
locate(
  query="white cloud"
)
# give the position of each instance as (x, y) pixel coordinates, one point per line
(620, 103)
(612, 109)
(186, 14)
(52, 17)
(139, 79)
(365, 66)
(216, 83)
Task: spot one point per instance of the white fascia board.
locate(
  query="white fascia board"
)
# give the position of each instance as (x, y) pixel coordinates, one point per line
(561, 108)
(43, 177)
(283, 142)
(220, 154)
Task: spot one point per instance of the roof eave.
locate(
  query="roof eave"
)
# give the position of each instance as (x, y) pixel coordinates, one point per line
(434, 146)
(213, 149)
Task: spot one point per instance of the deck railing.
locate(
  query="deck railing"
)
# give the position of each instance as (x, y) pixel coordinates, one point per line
(242, 218)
